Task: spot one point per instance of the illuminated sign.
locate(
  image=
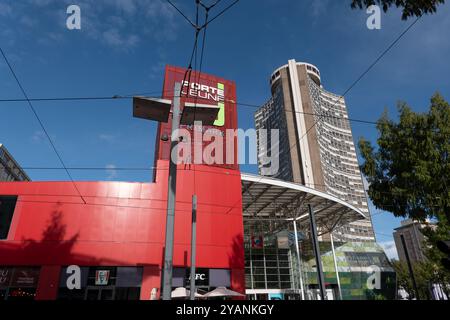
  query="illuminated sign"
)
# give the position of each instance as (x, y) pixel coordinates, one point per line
(205, 89)
(102, 277)
(205, 92)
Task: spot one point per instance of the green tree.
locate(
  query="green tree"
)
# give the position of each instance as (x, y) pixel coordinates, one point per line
(424, 275)
(410, 8)
(409, 173)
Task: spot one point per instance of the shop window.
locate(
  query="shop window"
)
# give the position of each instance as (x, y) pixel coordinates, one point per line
(21, 294)
(128, 293)
(7, 206)
(67, 294)
(104, 283)
(18, 283)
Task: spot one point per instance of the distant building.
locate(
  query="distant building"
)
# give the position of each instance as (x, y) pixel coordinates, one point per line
(411, 231)
(414, 240)
(9, 168)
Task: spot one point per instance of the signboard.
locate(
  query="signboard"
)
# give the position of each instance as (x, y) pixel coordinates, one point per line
(25, 277)
(257, 242)
(83, 280)
(209, 90)
(5, 277)
(102, 277)
(283, 240)
(276, 296)
(201, 277)
(204, 277)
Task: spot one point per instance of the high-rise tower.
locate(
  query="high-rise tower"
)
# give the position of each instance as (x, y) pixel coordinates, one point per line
(316, 146)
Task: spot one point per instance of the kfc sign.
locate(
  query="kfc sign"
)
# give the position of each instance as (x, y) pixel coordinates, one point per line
(102, 277)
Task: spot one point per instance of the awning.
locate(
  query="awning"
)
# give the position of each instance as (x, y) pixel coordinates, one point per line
(277, 201)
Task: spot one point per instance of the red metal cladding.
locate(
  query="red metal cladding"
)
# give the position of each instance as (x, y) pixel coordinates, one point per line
(123, 224)
(203, 89)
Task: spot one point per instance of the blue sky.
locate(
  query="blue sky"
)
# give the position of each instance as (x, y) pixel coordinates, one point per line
(124, 44)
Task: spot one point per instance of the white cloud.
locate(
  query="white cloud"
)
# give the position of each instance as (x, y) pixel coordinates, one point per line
(111, 170)
(28, 21)
(40, 2)
(390, 249)
(114, 38)
(38, 137)
(115, 23)
(105, 137)
(128, 6)
(5, 9)
(318, 7)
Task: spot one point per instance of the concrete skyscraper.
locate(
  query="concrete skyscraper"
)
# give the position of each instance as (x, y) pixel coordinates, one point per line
(316, 146)
(10, 170)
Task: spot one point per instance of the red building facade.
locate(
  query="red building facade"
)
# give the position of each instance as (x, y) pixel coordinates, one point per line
(117, 237)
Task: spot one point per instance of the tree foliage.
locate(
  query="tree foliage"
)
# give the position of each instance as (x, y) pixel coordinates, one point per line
(409, 173)
(425, 274)
(410, 8)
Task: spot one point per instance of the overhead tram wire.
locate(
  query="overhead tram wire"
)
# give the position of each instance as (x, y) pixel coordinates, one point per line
(397, 194)
(220, 13)
(353, 84)
(124, 97)
(127, 97)
(199, 71)
(360, 77)
(188, 72)
(198, 28)
(40, 123)
(194, 54)
(181, 12)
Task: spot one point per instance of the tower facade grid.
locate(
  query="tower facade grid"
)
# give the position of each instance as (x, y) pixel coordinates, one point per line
(316, 146)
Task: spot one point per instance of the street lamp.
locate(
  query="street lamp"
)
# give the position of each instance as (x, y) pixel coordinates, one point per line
(159, 110)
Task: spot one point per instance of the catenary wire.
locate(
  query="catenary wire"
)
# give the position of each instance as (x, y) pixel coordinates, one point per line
(360, 77)
(357, 80)
(237, 103)
(220, 13)
(40, 121)
(181, 13)
(346, 91)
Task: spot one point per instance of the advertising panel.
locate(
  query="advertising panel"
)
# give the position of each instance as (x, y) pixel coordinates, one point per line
(207, 90)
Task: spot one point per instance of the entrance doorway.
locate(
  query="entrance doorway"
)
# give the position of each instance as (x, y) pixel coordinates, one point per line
(103, 293)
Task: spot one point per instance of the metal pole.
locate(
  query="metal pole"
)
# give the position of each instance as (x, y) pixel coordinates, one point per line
(298, 260)
(316, 248)
(411, 273)
(193, 245)
(336, 266)
(171, 197)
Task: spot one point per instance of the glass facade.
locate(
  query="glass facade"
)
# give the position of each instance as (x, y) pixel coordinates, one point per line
(317, 122)
(268, 266)
(18, 283)
(273, 268)
(103, 283)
